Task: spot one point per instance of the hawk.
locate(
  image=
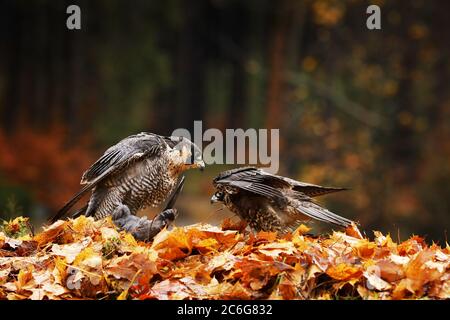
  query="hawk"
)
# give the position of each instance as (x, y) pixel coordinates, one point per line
(269, 202)
(140, 171)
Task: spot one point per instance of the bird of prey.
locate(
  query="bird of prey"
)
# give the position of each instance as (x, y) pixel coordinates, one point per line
(141, 170)
(269, 202)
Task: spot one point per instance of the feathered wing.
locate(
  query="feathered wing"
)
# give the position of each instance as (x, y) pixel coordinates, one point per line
(258, 176)
(314, 211)
(128, 150)
(79, 212)
(173, 198)
(311, 190)
(235, 174)
(123, 153)
(86, 188)
(250, 179)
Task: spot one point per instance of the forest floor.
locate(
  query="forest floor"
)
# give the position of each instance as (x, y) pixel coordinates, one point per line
(87, 259)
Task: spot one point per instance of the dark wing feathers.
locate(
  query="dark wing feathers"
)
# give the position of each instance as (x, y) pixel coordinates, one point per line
(257, 188)
(249, 179)
(251, 175)
(108, 159)
(127, 150)
(315, 191)
(257, 176)
(236, 174)
(315, 211)
(115, 158)
(173, 198)
(311, 190)
(79, 212)
(71, 202)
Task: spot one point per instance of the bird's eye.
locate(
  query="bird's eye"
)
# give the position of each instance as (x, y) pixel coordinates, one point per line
(218, 194)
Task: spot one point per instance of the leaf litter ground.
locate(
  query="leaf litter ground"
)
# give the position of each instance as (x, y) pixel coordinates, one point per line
(87, 259)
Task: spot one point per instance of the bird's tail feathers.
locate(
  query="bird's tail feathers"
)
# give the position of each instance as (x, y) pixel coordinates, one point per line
(315, 211)
(63, 211)
(79, 212)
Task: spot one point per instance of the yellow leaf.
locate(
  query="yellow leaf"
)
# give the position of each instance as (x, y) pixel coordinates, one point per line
(300, 242)
(206, 244)
(123, 295)
(24, 276)
(84, 254)
(60, 265)
(302, 229)
(129, 239)
(365, 249)
(82, 224)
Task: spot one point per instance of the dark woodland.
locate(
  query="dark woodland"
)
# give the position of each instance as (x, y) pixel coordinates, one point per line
(367, 110)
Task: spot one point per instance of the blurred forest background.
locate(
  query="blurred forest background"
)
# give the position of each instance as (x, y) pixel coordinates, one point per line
(369, 110)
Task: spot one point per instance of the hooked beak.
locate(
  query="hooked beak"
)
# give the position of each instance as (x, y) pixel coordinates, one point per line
(214, 199)
(201, 165)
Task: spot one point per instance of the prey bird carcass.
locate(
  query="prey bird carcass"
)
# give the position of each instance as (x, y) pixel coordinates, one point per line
(139, 171)
(269, 202)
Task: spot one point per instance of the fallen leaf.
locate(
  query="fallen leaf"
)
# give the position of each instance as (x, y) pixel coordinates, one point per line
(344, 272)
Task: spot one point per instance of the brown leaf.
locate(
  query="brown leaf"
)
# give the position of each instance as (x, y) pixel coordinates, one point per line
(390, 271)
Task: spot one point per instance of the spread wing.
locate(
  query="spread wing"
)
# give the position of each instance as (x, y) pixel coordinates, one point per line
(252, 180)
(127, 151)
(311, 190)
(258, 177)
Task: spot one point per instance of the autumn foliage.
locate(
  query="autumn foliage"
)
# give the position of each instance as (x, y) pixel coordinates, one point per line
(44, 162)
(87, 259)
